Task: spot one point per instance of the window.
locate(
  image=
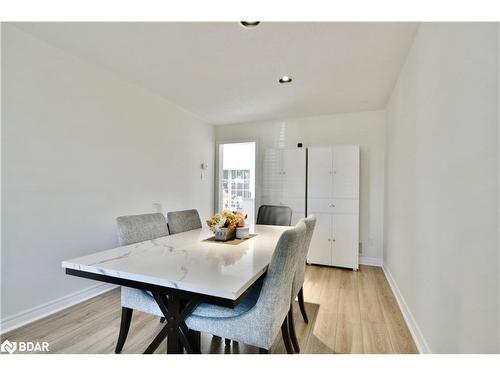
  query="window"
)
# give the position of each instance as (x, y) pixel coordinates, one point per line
(236, 187)
(236, 178)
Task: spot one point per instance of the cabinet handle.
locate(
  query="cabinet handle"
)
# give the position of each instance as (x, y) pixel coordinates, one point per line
(333, 239)
(329, 240)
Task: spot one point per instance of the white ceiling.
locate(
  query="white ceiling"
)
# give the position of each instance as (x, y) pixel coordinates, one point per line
(225, 73)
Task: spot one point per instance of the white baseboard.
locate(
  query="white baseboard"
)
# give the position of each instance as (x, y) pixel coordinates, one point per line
(49, 308)
(367, 261)
(415, 331)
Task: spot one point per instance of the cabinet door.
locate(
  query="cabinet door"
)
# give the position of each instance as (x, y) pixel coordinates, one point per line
(320, 169)
(346, 172)
(271, 177)
(293, 182)
(294, 173)
(320, 250)
(345, 241)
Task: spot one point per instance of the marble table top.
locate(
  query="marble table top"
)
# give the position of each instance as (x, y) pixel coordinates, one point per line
(185, 261)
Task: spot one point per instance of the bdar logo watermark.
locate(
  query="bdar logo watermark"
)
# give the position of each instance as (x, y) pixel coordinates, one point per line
(24, 346)
(9, 347)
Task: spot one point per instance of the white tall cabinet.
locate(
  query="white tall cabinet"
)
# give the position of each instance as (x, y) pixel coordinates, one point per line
(284, 180)
(333, 197)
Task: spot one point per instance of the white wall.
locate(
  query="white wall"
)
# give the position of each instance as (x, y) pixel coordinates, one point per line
(364, 128)
(441, 201)
(81, 146)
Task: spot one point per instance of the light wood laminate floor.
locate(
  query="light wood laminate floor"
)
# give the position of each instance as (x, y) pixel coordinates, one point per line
(349, 312)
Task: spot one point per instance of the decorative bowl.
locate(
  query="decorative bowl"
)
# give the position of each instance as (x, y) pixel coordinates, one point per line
(224, 234)
(242, 232)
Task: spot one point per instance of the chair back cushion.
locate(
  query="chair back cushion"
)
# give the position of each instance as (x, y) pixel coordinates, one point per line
(182, 221)
(138, 228)
(274, 215)
(274, 300)
(298, 280)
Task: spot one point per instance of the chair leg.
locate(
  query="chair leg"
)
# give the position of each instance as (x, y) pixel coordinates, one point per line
(301, 305)
(263, 351)
(286, 336)
(293, 335)
(124, 326)
(195, 338)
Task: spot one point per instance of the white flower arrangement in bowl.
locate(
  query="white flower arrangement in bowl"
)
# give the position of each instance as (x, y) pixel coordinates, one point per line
(224, 224)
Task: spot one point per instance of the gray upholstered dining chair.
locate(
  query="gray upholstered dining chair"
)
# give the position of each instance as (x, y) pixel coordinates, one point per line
(133, 229)
(298, 280)
(257, 320)
(274, 215)
(182, 221)
(138, 228)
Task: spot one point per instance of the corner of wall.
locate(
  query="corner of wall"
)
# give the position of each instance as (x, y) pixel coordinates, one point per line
(498, 114)
(416, 333)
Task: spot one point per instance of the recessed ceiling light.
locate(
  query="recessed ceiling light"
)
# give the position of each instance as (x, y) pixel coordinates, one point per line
(285, 79)
(250, 24)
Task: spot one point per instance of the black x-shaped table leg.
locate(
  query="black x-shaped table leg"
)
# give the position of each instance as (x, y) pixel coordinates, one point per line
(175, 328)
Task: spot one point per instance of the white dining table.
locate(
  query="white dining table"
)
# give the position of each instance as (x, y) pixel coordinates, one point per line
(184, 270)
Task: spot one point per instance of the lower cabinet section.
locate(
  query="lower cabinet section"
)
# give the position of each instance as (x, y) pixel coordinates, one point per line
(335, 240)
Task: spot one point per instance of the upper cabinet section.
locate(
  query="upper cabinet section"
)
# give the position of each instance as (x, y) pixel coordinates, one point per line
(333, 172)
(272, 177)
(284, 178)
(294, 173)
